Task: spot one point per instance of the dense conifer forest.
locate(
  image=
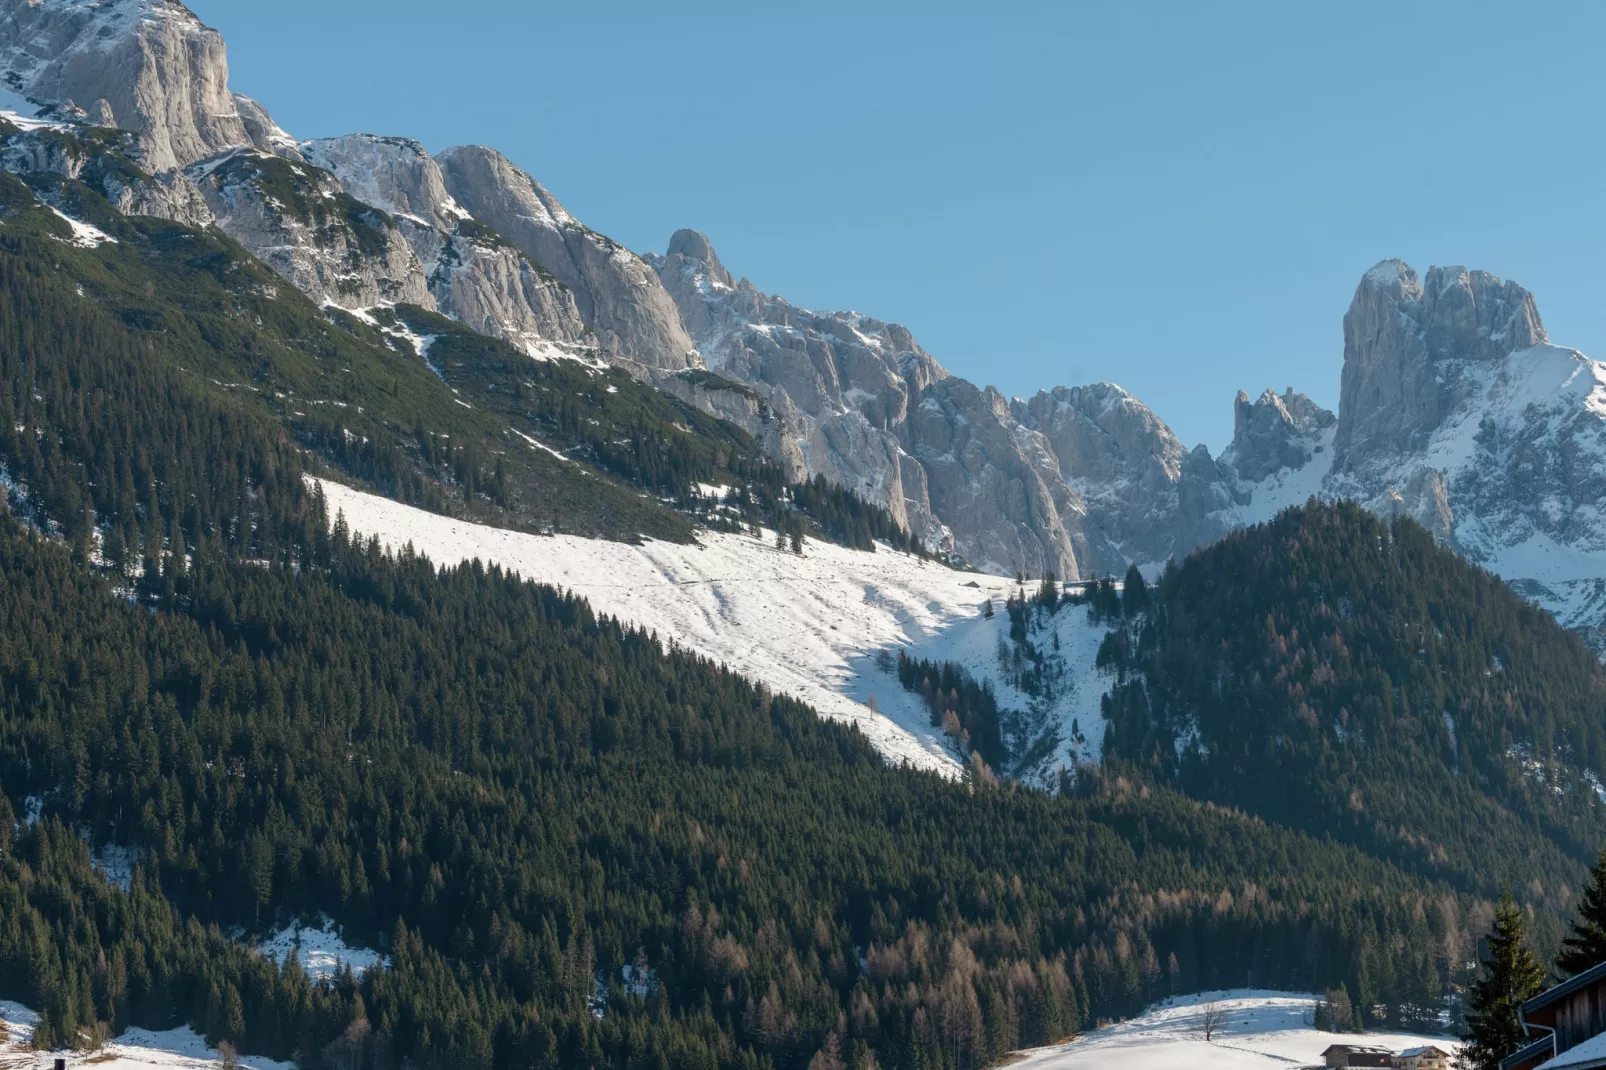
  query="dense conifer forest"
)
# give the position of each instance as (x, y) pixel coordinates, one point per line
(1350, 677)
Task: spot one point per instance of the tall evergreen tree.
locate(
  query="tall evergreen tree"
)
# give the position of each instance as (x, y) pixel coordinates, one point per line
(1511, 974)
(1586, 945)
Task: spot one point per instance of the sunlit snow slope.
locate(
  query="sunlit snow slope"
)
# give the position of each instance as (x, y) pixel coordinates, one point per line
(807, 626)
(135, 1049)
(1264, 1030)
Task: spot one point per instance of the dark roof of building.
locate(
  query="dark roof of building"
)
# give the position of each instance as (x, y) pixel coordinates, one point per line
(1356, 1049)
(1530, 1053)
(1565, 989)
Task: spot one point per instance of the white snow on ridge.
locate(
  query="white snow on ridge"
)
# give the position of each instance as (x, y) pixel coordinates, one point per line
(1289, 487)
(809, 626)
(23, 113)
(1264, 1029)
(84, 235)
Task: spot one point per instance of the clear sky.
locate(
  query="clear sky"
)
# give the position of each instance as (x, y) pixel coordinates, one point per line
(1176, 197)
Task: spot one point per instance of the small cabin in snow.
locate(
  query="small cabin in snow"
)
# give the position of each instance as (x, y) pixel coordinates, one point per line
(1346, 1055)
(1428, 1057)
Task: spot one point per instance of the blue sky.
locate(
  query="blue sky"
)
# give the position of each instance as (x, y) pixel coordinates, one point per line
(1179, 198)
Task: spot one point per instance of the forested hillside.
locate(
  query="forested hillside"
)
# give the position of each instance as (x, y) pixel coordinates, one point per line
(1352, 678)
(513, 800)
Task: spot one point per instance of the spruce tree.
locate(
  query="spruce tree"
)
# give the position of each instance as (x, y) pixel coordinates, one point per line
(1586, 945)
(1511, 974)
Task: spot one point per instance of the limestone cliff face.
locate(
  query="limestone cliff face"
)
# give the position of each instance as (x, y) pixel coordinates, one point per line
(617, 294)
(1144, 491)
(298, 221)
(860, 402)
(146, 66)
(1408, 348)
(104, 161)
(1276, 432)
(473, 273)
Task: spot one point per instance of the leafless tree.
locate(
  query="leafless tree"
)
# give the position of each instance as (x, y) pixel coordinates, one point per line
(228, 1056)
(1212, 1019)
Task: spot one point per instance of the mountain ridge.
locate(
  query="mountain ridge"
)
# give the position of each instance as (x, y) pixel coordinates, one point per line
(1441, 417)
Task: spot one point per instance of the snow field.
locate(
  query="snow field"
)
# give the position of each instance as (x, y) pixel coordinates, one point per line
(321, 951)
(809, 626)
(135, 1049)
(1264, 1030)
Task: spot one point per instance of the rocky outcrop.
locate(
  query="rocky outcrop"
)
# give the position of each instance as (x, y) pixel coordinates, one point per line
(265, 134)
(617, 294)
(100, 159)
(841, 383)
(1408, 347)
(862, 404)
(146, 66)
(473, 273)
(300, 222)
(1148, 496)
(1003, 512)
(1275, 432)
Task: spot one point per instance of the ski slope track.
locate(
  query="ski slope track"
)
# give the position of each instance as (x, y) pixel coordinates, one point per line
(1264, 1031)
(809, 627)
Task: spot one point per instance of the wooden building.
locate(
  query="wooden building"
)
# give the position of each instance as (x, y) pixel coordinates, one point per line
(1347, 1055)
(1567, 1026)
(1428, 1057)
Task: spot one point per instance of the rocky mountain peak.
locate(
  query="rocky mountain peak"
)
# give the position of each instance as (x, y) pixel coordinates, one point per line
(1276, 431)
(693, 245)
(617, 293)
(395, 174)
(1408, 345)
(147, 66)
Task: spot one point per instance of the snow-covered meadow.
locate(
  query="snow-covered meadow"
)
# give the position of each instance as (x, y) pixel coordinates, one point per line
(135, 1049)
(1263, 1030)
(320, 950)
(810, 626)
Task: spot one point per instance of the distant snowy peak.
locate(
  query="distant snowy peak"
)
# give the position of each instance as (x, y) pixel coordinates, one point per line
(1457, 411)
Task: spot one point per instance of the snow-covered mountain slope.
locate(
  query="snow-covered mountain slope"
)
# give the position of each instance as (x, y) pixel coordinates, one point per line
(1264, 1029)
(810, 626)
(134, 1049)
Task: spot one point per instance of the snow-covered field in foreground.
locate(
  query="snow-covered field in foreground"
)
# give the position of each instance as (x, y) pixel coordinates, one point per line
(805, 626)
(136, 1049)
(1264, 1030)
